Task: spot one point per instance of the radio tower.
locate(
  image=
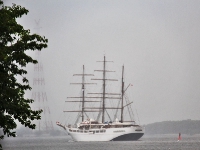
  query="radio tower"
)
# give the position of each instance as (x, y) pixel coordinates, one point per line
(39, 94)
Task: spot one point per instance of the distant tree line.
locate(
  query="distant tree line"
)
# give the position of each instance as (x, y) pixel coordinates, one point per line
(189, 127)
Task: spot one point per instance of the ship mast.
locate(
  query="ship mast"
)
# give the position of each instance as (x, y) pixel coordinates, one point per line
(104, 97)
(122, 106)
(104, 89)
(83, 90)
(83, 93)
(104, 94)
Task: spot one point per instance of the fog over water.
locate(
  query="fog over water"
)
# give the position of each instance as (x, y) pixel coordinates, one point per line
(157, 41)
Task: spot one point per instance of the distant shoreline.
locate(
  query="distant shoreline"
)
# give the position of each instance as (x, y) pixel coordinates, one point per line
(187, 127)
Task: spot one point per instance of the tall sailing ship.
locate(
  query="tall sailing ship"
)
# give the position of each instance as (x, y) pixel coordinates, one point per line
(95, 130)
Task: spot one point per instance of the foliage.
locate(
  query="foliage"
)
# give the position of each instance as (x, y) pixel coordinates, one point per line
(14, 42)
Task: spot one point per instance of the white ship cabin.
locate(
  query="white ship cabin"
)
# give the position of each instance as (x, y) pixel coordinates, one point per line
(99, 127)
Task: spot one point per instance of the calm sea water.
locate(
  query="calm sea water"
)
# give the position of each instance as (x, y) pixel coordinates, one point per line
(65, 143)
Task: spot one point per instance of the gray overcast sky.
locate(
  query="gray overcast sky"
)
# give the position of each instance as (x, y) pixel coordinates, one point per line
(157, 41)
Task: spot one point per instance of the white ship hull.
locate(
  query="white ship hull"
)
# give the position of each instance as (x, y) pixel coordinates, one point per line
(109, 134)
